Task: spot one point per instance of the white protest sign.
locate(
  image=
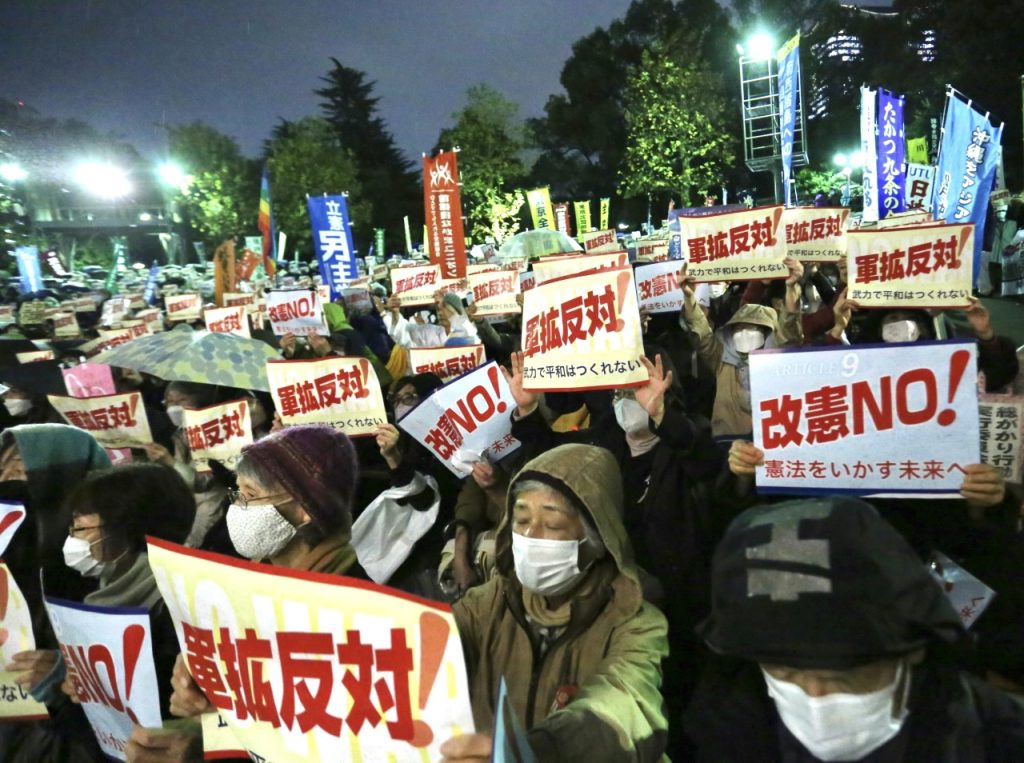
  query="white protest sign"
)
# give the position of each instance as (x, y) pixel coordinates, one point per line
(219, 741)
(560, 266)
(583, 332)
(968, 595)
(494, 292)
(415, 285)
(652, 250)
(245, 299)
(15, 636)
(83, 304)
(227, 320)
(481, 267)
(296, 311)
(33, 357)
(116, 421)
(114, 309)
(137, 327)
(816, 234)
(115, 338)
(183, 307)
(340, 391)
(656, 287)
(1001, 426)
(466, 420)
(900, 419)
(527, 280)
(108, 654)
(445, 362)
(599, 241)
(218, 433)
(11, 516)
(735, 246)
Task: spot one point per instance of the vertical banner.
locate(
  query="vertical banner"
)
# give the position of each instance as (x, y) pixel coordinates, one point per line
(967, 164)
(891, 157)
(120, 244)
(917, 150)
(108, 655)
(582, 209)
(606, 204)
(788, 59)
(442, 203)
(408, 235)
(562, 218)
(1001, 421)
(378, 243)
(541, 211)
(29, 273)
(332, 240)
(868, 148)
(149, 295)
(265, 224)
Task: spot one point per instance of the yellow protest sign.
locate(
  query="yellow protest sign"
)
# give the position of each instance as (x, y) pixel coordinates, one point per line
(415, 284)
(917, 150)
(446, 363)
(919, 266)
(551, 268)
(494, 291)
(735, 246)
(116, 421)
(541, 210)
(66, 325)
(15, 702)
(218, 433)
(816, 234)
(307, 666)
(599, 241)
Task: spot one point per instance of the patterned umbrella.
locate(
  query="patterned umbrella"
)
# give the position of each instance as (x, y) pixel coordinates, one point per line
(537, 243)
(196, 356)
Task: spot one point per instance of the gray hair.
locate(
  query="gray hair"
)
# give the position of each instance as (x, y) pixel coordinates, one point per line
(590, 532)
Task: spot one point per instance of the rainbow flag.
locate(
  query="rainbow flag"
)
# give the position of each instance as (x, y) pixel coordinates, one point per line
(266, 226)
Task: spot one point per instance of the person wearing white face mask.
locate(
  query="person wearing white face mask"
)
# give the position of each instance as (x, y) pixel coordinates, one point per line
(564, 621)
(845, 648)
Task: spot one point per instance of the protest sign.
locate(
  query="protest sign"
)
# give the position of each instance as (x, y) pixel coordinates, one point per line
(652, 250)
(656, 287)
(296, 311)
(136, 300)
(599, 241)
(115, 338)
(494, 292)
(7, 316)
(227, 320)
(16, 704)
(968, 595)
(237, 298)
(357, 300)
(527, 280)
(816, 234)
(116, 421)
(12, 514)
(32, 313)
(415, 284)
(108, 655)
(481, 267)
(218, 433)
(89, 380)
(183, 307)
(465, 421)
(550, 268)
(114, 309)
(583, 332)
(219, 741)
(137, 327)
(1001, 426)
(340, 391)
(151, 316)
(509, 744)
(389, 671)
(445, 362)
(920, 180)
(84, 304)
(735, 246)
(915, 266)
(894, 419)
(65, 325)
(34, 356)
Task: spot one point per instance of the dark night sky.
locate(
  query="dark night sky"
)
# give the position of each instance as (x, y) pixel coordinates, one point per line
(240, 65)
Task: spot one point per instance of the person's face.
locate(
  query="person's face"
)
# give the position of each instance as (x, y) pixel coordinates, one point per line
(863, 679)
(546, 514)
(173, 397)
(89, 527)
(407, 396)
(252, 492)
(12, 467)
(13, 393)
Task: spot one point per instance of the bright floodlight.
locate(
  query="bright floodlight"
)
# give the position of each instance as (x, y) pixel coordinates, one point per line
(12, 173)
(760, 46)
(102, 179)
(172, 174)
(841, 160)
(847, 171)
(857, 159)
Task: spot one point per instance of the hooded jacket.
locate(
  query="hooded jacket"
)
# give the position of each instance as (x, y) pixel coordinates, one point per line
(596, 690)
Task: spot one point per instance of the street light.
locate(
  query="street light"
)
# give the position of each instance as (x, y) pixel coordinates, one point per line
(12, 173)
(103, 179)
(758, 47)
(841, 160)
(171, 174)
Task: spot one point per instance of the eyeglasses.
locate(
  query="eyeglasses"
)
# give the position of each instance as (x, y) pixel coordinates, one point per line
(236, 497)
(72, 530)
(410, 399)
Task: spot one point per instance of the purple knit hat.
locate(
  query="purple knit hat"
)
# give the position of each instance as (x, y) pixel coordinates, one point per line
(317, 466)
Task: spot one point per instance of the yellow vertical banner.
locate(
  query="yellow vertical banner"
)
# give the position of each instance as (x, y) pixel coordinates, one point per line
(582, 209)
(540, 208)
(606, 203)
(426, 242)
(917, 150)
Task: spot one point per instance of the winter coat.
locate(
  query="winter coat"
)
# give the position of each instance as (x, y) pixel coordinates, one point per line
(595, 694)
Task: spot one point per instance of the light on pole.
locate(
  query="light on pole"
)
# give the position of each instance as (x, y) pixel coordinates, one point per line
(171, 174)
(12, 172)
(102, 179)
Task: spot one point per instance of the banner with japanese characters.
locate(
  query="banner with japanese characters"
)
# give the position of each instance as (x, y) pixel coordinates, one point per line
(891, 154)
(657, 289)
(115, 338)
(869, 152)
(599, 241)
(541, 211)
(445, 362)
(227, 320)
(583, 332)
(296, 311)
(114, 310)
(340, 391)
(332, 240)
(442, 202)
(116, 421)
(816, 234)
(551, 268)
(415, 284)
(870, 419)
(16, 704)
(1001, 423)
(239, 298)
(30, 275)
(466, 421)
(65, 325)
(582, 211)
(562, 218)
(914, 266)
(305, 666)
(494, 292)
(652, 250)
(917, 150)
(605, 212)
(108, 656)
(788, 58)
(34, 356)
(218, 433)
(920, 181)
(183, 307)
(735, 246)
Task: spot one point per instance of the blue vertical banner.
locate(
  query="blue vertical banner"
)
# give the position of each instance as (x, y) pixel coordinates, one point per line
(891, 150)
(30, 273)
(968, 155)
(788, 59)
(332, 239)
(149, 294)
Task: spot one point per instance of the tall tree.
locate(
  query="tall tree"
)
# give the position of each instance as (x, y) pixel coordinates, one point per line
(674, 113)
(222, 199)
(387, 178)
(491, 140)
(306, 157)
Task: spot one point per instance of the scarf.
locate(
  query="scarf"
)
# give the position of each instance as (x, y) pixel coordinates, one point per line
(131, 586)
